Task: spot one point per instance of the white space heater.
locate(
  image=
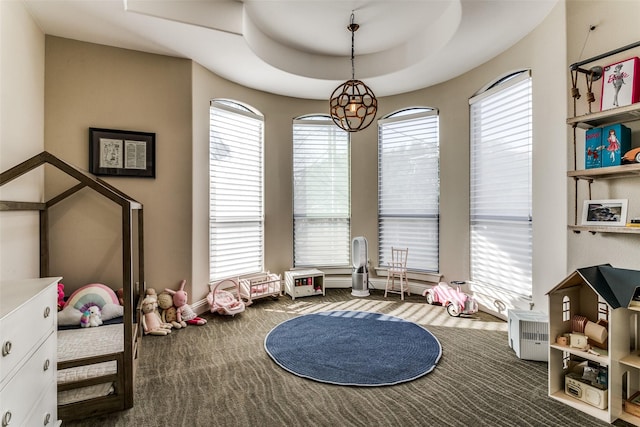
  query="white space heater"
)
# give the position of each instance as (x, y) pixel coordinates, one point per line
(360, 275)
(529, 334)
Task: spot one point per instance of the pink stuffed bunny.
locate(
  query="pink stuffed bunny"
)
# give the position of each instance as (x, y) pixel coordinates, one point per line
(185, 312)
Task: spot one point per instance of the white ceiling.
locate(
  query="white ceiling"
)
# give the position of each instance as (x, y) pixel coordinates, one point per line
(302, 48)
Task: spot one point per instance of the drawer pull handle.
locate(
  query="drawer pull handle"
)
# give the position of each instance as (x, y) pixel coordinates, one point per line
(6, 419)
(47, 419)
(46, 365)
(47, 311)
(6, 348)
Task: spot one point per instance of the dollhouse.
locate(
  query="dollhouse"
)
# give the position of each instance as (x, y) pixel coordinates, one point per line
(594, 333)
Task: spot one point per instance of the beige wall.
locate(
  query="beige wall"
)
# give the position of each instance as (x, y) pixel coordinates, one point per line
(21, 135)
(91, 85)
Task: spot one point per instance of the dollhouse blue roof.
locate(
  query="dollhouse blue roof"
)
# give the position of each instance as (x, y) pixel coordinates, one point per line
(617, 286)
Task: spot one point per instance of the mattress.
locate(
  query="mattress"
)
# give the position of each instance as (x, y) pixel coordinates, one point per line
(86, 342)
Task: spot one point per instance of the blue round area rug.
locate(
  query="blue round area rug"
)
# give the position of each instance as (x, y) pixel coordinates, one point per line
(354, 348)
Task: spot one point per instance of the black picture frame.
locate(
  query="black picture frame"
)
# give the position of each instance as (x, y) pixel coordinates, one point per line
(122, 153)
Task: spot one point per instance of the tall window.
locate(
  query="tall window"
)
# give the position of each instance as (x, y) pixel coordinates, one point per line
(409, 187)
(236, 220)
(501, 213)
(321, 193)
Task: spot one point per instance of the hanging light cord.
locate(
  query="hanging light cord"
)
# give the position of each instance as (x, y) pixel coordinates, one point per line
(353, 28)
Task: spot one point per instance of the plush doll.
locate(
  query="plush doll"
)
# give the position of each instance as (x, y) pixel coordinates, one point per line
(91, 317)
(168, 312)
(151, 322)
(60, 296)
(185, 312)
(150, 292)
(170, 315)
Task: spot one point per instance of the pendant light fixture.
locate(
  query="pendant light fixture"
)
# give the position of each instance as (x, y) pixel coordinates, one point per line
(353, 104)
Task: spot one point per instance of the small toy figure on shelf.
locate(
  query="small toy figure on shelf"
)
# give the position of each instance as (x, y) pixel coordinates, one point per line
(185, 312)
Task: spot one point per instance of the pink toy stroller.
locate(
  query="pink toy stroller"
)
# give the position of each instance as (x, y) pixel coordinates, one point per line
(224, 302)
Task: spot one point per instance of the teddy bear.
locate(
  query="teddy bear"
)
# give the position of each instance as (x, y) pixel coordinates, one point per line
(151, 322)
(168, 313)
(185, 312)
(91, 317)
(120, 294)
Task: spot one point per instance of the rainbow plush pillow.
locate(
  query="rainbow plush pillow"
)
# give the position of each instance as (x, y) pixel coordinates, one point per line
(89, 295)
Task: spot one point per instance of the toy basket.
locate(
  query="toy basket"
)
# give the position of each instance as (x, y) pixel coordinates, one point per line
(224, 302)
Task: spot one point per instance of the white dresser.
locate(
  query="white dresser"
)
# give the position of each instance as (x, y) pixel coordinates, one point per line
(28, 311)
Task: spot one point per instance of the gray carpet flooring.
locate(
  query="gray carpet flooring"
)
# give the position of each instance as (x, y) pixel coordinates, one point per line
(220, 375)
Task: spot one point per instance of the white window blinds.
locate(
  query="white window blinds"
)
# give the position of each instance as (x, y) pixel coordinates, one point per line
(235, 191)
(501, 208)
(409, 187)
(321, 193)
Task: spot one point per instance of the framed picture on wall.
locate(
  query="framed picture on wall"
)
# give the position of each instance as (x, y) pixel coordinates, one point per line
(612, 212)
(122, 153)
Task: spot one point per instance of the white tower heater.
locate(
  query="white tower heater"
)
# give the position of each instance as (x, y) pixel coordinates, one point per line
(360, 275)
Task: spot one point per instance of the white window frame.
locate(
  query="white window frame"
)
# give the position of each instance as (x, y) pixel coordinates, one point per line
(236, 190)
(501, 219)
(409, 187)
(321, 193)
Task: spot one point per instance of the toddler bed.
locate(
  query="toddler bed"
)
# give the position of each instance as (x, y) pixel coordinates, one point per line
(93, 366)
(260, 286)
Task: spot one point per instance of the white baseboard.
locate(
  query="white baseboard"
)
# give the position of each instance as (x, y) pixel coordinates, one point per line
(488, 302)
(377, 283)
(200, 306)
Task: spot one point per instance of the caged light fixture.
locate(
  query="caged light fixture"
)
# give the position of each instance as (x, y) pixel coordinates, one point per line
(353, 104)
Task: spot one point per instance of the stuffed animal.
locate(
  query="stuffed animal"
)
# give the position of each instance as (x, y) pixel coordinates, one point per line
(150, 292)
(120, 294)
(168, 313)
(91, 317)
(151, 322)
(60, 296)
(185, 312)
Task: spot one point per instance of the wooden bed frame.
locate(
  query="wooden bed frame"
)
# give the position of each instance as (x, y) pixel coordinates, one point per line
(127, 360)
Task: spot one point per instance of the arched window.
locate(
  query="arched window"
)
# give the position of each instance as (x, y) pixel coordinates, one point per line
(409, 187)
(236, 214)
(500, 188)
(321, 193)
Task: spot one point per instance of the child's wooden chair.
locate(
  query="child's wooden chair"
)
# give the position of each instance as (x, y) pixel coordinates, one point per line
(397, 269)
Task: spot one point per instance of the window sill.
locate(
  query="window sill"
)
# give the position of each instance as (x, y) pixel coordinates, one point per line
(421, 276)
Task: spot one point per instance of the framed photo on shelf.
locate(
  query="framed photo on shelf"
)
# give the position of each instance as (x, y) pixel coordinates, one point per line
(611, 212)
(122, 153)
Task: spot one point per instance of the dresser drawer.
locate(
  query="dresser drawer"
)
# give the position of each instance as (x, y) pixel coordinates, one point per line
(28, 385)
(45, 412)
(24, 328)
